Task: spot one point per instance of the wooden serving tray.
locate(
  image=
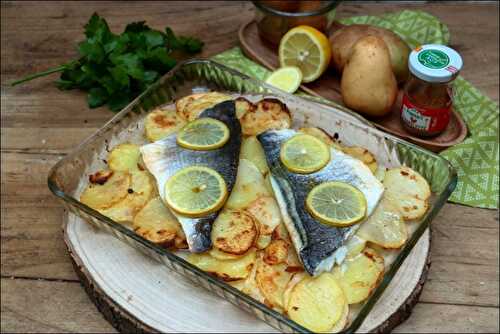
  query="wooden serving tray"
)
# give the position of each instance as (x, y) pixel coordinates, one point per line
(328, 86)
(137, 294)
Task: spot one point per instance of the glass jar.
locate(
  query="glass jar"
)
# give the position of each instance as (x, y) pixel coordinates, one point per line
(275, 18)
(427, 98)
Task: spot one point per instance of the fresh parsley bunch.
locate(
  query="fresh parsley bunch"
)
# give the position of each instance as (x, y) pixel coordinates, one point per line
(114, 69)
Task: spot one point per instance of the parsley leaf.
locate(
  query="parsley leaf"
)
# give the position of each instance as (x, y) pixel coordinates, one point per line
(114, 69)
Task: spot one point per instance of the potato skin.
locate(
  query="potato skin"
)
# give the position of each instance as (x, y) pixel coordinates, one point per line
(368, 84)
(343, 40)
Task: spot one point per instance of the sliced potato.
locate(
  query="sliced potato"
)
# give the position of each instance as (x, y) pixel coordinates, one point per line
(280, 232)
(248, 187)
(263, 241)
(317, 303)
(249, 284)
(408, 190)
(243, 106)
(157, 224)
(106, 188)
(318, 133)
(267, 183)
(380, 173)
(385, 227)
(296, 279)
(362, 154)
(125, 157)
(360, 275)
(276, 252)
(355, 245)
(269, 114)
(228, 270)
(342, 322)
(141, 190)
(267, 212)
(234, 231)
(191, 106)
(220, 255)
(272, 281)
(161, 123)
(293, 263)
(252, 150)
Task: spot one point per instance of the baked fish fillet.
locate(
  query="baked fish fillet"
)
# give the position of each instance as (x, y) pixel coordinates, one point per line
(319, 246)
(164, 158)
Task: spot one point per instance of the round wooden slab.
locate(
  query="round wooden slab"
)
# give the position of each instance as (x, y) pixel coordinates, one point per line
(138, 294)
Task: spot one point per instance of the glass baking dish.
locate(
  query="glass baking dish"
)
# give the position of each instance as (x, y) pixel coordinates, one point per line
(68, 177)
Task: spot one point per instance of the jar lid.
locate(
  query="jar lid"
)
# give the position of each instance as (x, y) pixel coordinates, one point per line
(435, 63)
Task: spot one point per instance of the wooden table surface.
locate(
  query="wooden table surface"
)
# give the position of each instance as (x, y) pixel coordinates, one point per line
(40, 292)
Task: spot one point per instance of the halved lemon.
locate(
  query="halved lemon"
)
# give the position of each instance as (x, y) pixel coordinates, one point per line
(286, 78)
(203, 134)
(304, 154)
(306, 48)
(195, 191)
(336, 204)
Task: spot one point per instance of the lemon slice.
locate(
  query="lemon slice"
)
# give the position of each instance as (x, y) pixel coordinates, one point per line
(286, 78)
(195, 191)
(203, 134)
(304, 154)
(306, 48)
(336, 203)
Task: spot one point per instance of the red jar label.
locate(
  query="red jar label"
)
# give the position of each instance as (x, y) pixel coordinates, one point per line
(429, 121)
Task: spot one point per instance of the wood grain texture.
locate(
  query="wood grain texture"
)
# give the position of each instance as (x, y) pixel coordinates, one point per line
(462, 290)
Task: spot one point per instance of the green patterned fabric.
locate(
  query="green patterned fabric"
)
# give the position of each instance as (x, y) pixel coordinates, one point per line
(477, 158)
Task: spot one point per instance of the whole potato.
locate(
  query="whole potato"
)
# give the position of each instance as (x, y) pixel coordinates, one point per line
(368, 84)
(343, 40)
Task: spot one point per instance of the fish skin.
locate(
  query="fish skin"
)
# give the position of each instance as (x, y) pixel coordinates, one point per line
(165, 157)
(316, 243)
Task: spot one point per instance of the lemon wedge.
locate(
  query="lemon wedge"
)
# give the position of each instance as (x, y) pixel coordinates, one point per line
(306, 48)
(304, 154)
(336, 204)
(203, 134)
(195, 191)
(286, 78)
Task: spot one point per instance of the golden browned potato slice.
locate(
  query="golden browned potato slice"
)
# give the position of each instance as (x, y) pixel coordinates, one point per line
(189, 107)
(157, 224)
(360, 275)
(248, 187)
(220, 255)
(408, 190)
(162, 122)
(227, 270)
(125, 157)
(276, 252)
(106, 188)
(234, 232)
(317, 303)
(249, 285)
(141, 190)
(263, 240)
(362, 154)
(340, 325)
(266, 210)
(385, 227)
(293, 263)
(318, 133)
(272, 281)
(243, 106)
(252, 150)
(269, 114)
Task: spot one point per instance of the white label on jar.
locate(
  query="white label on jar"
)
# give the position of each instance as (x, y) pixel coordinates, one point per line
(415, 119)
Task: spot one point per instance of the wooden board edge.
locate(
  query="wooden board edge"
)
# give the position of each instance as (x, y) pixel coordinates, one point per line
(125, 322)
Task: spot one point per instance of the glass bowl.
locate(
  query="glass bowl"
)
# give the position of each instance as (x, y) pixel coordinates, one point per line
(275, 18)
